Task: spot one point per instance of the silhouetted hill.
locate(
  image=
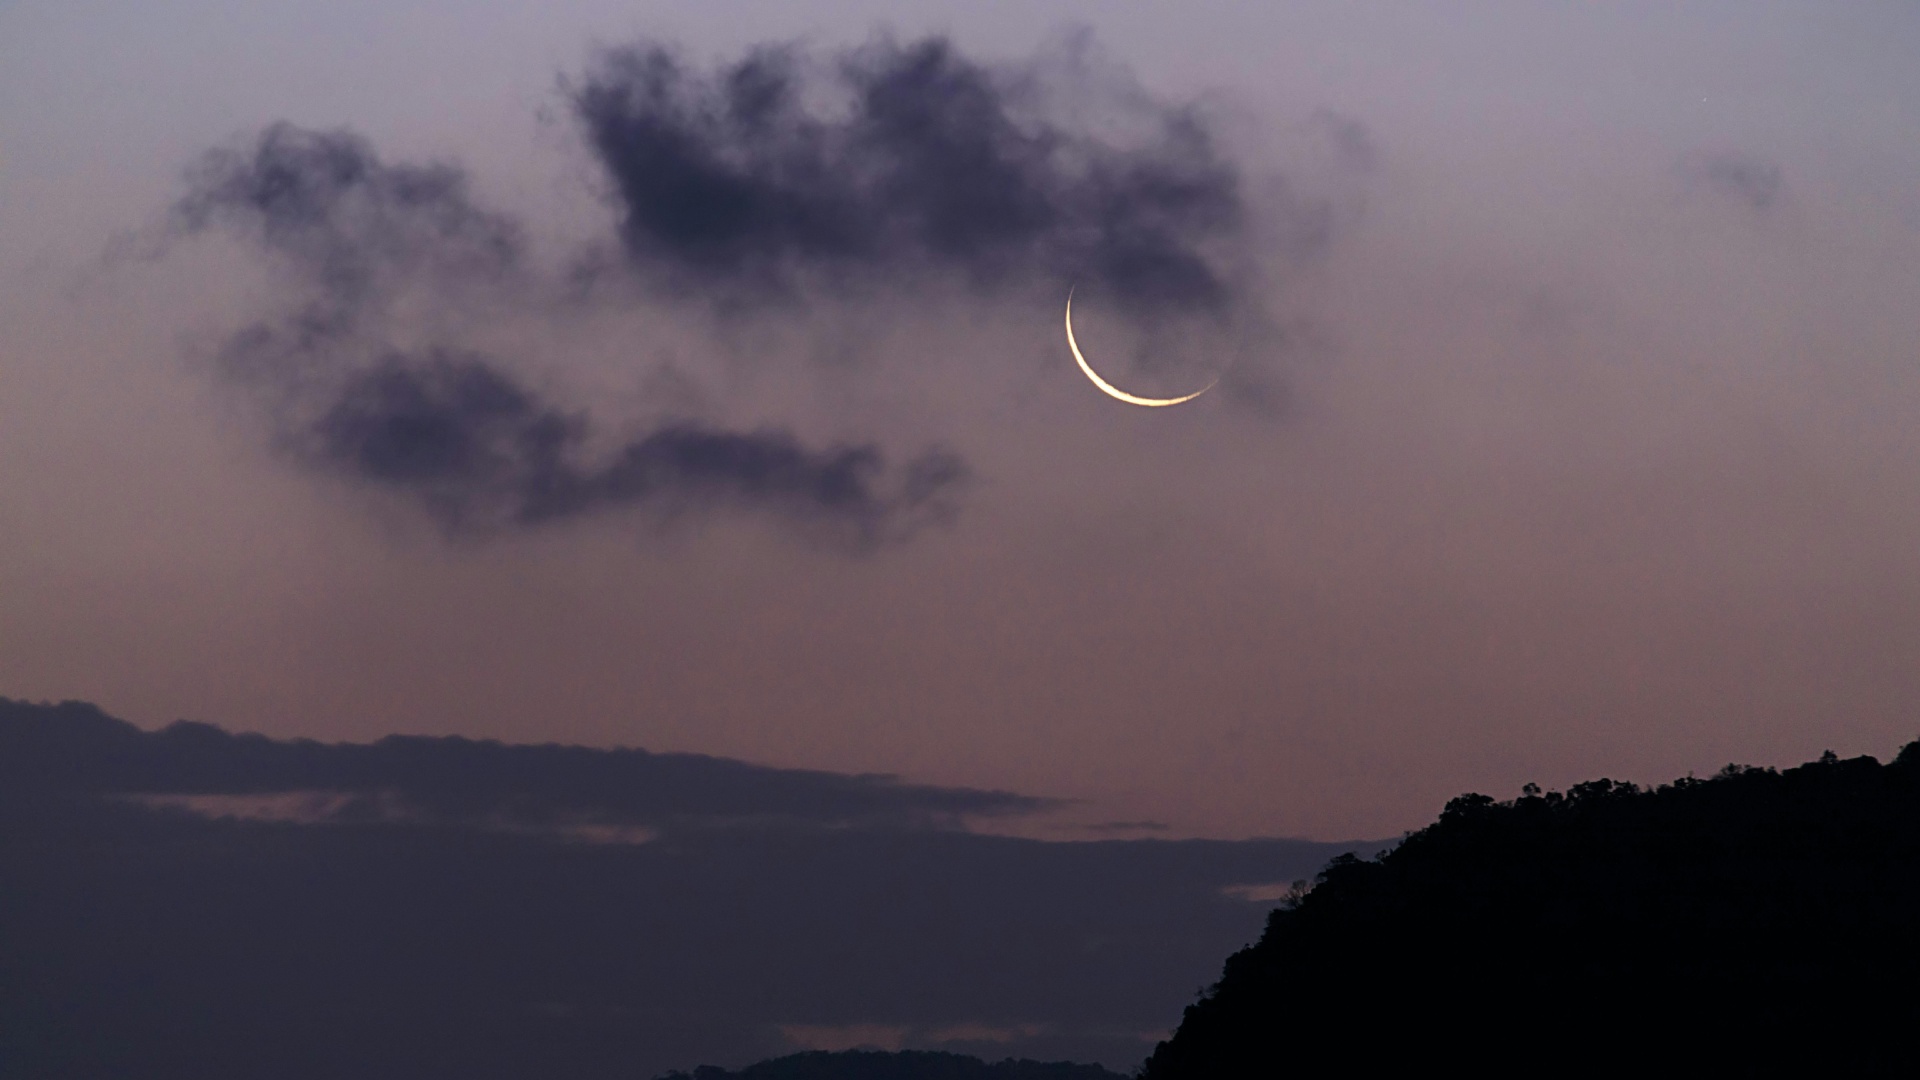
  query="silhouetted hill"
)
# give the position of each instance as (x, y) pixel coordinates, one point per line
(905, 1065)
(1757, 923)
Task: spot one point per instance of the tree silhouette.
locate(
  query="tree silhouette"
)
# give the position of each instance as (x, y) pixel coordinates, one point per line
(1752, 923)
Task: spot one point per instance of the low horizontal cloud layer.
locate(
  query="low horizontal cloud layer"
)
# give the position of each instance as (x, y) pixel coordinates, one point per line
(491, 915)
(920, 159)
(456, 430)
(74, 747)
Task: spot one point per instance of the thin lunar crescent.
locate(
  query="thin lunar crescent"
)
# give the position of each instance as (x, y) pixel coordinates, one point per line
(1112, 390)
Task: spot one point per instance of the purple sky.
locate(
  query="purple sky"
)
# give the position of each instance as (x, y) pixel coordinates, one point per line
(1570, 429)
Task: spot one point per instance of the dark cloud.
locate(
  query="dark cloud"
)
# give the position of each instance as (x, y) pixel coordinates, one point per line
(739, 178)
(479, 450)
(901, 1065)
(1128, 826)
(325, 202)
(781, 174)
(454, 429)
(142, 940)
(1751, 179)
(75, 747)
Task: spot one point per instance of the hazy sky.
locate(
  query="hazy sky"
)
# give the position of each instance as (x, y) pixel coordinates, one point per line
(1570, 427)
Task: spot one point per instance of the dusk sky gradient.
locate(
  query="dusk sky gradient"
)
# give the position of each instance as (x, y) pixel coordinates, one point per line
(1572, 426)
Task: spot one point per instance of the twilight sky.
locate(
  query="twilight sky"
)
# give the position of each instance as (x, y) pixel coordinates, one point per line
(691, 377)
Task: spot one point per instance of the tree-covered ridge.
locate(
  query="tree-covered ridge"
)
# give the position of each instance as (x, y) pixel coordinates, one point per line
(1745, 924)
(904, 1065)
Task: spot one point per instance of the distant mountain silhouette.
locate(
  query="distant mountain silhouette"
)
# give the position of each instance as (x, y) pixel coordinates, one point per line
(1757, 923)
(905, 1065)
(190, 904)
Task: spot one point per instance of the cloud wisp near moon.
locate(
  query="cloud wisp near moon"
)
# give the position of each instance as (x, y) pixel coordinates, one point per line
(734, 191)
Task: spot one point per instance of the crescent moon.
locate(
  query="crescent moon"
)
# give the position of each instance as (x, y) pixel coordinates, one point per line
(1114, 391)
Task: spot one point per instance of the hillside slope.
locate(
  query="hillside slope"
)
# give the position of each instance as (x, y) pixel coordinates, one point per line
(1746, 924)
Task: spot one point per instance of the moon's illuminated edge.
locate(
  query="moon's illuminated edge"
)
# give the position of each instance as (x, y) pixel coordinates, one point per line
(1114, 391)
